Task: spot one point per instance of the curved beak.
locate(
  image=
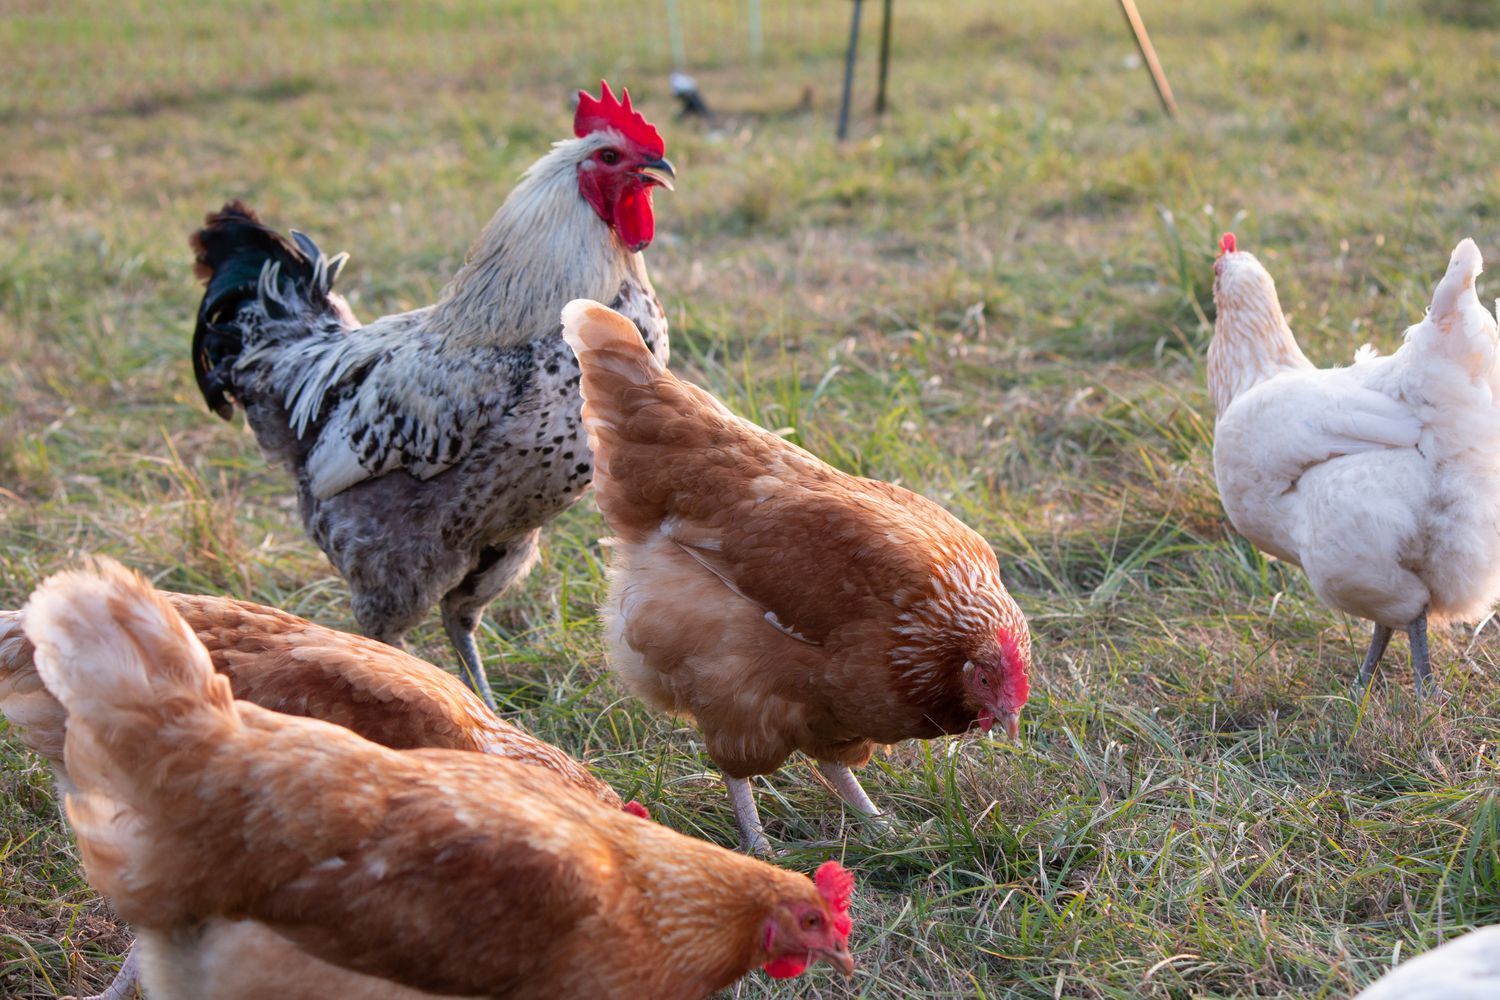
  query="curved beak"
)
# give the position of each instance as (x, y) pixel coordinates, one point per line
(1011, 723)
(659, 171)
(840, 959)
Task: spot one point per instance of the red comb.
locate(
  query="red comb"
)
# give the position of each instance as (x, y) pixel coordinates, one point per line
(636, 809)
(606, 112)
(1226, 243)
(836, 884)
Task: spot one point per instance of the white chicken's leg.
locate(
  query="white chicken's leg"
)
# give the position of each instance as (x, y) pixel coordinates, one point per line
(1378, 641)
(124, 985)
(1421, 662)
(752, 834)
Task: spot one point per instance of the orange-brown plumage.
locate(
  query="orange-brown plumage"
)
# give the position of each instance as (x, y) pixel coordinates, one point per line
(782, 604)
(444, 871)
(290, 665)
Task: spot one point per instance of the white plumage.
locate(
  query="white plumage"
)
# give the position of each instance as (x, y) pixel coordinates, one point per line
(1464, 969)
(1381, 480)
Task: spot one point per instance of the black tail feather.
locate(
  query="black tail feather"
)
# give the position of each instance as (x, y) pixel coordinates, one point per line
(231, 251)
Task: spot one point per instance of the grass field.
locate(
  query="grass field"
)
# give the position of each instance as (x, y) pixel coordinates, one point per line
(1000, 297)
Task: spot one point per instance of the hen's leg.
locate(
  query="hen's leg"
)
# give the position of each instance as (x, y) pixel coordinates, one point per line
(848, 787)
(1421, 663)
(499, 567)
(1379, 639)
(752, 834)
(124, 985)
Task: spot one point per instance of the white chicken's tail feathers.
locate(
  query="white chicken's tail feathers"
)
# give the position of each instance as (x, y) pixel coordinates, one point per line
(1458, 327)
(606, 342)
(121, 660)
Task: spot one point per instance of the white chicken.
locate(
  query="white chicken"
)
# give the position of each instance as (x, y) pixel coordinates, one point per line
(1381, 480)
(1466, 968)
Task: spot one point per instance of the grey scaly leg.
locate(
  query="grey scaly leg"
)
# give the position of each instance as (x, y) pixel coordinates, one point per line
(752, 834)
(1379, 639)
(1421, 661)
(460, 630)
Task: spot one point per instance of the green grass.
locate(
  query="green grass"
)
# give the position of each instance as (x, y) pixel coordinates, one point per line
(997, 297)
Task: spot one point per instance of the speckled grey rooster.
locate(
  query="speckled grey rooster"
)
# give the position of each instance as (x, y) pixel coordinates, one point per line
(431, 446)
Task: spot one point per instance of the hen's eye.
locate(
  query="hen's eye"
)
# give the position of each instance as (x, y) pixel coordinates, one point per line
(811, 922)
(609, 157)
(984, 680)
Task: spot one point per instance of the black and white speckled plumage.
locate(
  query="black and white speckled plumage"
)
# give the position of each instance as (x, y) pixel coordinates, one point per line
(430, 447)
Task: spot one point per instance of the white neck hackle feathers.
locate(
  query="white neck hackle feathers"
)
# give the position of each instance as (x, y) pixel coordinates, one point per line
(545, 245)
(1252, 340)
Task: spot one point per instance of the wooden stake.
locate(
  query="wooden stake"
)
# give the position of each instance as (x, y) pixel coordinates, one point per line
(1148, 53)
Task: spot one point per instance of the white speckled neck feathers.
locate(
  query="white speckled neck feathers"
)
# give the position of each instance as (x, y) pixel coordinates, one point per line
(1252, 340)
(545, 245)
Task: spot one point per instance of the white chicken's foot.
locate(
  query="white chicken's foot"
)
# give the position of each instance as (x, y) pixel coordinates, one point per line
(753, 838)
(1421, 661)
(1379, 639)
(124, 985)
(848, 788)
(470, 667)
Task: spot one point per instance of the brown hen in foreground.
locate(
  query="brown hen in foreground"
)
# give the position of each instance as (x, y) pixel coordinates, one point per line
(290, 665)
(780, 603)
(452, 873)
(287, 664)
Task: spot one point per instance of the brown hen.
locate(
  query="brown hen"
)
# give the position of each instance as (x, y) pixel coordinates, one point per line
(287, 664)
(208, 820)
(777, 601)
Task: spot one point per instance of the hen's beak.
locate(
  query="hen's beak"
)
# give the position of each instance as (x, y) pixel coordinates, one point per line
(1011, 722)
(658, 171)
(840, 959)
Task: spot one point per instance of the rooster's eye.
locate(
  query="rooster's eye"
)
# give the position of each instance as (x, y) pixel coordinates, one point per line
(609, 157)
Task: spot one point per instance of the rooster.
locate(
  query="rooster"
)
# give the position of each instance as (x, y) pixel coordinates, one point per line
(780, 603)
(1381, 480)
(430, 447)
(430, 870)
(284, 663)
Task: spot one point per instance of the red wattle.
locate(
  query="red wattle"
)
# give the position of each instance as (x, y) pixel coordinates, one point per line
(634, 220)
(986, 719)
(786, 966)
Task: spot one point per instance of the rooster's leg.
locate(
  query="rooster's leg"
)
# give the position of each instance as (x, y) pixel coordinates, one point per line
(124, 985)
(1421, 662)
(498, 567)
(461, 632)
(752, 835)
(1378, 641)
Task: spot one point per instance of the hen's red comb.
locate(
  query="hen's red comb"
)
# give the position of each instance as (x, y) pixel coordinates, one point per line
(606, 112)
(1226, 243)
(836, 884)
(636, 809)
